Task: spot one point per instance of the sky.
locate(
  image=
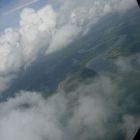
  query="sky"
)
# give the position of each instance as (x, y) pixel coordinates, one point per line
(10, 11)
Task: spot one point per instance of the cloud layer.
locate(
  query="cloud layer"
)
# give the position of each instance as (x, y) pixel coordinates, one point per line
(29, 116)
(89, 112)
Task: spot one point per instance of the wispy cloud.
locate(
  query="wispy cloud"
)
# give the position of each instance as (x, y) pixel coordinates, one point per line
(19, 7)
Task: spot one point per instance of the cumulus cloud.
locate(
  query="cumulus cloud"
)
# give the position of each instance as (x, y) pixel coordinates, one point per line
(20, 47)
(29, 116)
(59, 117)
(36, 30)
(89, 112)
(49, 29)
(63, 37)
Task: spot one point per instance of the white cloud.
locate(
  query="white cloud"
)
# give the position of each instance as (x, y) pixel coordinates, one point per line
(63, 37)
(89, 114)
(85, 113)
(60, 117)
(29, 116)
(36, 30)
(20, 47)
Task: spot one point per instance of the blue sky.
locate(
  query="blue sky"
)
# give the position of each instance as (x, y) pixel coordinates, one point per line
(10, 11)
